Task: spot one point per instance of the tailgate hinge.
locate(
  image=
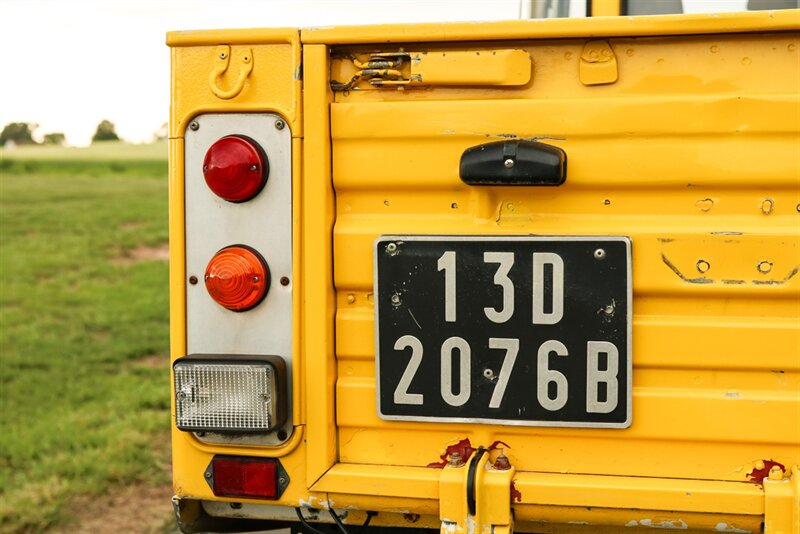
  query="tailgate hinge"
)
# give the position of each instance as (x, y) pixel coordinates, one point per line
(474, 67)
(475, 496)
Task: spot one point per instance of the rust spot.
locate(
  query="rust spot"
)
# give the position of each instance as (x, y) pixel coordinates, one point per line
(465, 449)
(516, 495)
(411, 518)
(759, 473)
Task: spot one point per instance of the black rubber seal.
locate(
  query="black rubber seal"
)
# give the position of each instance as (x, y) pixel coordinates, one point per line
(473, 466)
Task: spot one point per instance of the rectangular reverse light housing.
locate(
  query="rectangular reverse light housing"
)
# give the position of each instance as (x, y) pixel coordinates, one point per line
(234, 394)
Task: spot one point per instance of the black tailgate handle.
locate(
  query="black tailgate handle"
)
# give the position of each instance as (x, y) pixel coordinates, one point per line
(513, 162)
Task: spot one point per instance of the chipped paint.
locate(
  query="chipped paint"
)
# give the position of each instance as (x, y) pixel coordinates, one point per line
(727, 233)
(761, 470)
(701, 280)
(725, 527)
(733, 395)
(465, 449)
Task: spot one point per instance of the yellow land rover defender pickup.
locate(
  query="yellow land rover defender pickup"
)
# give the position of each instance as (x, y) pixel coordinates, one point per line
(537, 275)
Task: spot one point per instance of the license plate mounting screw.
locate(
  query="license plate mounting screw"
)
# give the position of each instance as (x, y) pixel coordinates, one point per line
(599, 254)
(509, 163)
(396, 300)
(488, 374)
(391, 248)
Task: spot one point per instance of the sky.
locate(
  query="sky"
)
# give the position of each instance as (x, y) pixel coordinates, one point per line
(68, 64)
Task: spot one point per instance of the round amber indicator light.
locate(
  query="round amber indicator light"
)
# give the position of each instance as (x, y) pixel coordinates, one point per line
(235, 168)
(237, 278)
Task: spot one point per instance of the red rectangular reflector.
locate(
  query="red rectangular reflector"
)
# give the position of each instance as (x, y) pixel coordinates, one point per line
(255, 478)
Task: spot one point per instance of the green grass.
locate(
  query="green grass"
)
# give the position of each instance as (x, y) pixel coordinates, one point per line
(80, 403)
(109, 158)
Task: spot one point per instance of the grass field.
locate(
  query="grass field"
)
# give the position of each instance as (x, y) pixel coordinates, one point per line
(84, 394)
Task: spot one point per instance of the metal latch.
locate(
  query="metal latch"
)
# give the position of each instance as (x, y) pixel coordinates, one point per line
(475, 67)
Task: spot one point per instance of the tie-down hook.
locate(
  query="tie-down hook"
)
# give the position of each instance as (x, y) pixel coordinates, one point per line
(222, 55)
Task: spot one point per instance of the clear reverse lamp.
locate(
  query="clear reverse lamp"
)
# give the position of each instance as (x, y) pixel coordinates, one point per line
(230, 393)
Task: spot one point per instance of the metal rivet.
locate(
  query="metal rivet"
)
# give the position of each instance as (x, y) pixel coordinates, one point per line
(391, 248)
(284, 280)
(703, 266)
(223, 55)
(279, 124)
(396, 300)
(207, 474)
(193, 280)
(767, 205)
(764, 267)
(509, 163)
(351, 298)
(282, 481)
(599, 254)
(607, 202)
(194, 126)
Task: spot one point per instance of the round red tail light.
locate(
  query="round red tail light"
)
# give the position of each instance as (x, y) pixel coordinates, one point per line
(237, 278)
(235, 168)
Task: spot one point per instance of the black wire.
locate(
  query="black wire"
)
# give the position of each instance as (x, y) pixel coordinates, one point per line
(338, 521)
(370, 515)
(305, 524)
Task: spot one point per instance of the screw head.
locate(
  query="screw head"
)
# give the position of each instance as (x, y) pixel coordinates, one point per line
(455, 460)
(502, 463)
(279, 124)
(284, 280)
(193, 280)
(208, 474)
(282, 481)
(194, 126)
(391, 248)
(509, 163)
(599, 254)
(396, 300)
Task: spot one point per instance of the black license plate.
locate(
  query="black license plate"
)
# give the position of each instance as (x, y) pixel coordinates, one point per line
(505, 330)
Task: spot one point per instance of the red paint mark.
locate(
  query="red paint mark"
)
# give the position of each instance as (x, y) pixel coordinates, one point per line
(757, 476)
(516, 495)
(465, 449)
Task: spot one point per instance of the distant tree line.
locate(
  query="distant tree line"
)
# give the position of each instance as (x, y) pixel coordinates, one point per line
(21, 133)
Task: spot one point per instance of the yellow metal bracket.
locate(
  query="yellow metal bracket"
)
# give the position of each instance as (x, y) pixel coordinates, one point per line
(598, 64)
(464, 68)
(475, 496)
(222, 58)
(782, 501)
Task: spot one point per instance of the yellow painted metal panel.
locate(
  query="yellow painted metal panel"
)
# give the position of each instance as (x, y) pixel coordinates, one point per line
(318, 303)
(758, 21)
(696, 161)
(272, 85)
